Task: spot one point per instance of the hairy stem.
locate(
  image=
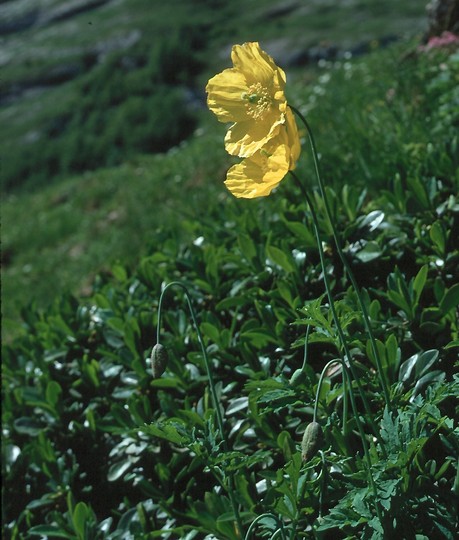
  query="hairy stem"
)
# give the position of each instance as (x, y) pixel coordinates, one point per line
(346, 264)
(348, 355)
(216, 403)
(331, 302)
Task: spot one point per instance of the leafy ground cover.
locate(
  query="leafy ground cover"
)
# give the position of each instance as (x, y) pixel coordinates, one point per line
(94, 447)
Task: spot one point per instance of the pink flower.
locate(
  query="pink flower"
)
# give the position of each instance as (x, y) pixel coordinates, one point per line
(447, 39)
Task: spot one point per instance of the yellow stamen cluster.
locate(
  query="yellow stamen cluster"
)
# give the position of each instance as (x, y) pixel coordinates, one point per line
(258, 101)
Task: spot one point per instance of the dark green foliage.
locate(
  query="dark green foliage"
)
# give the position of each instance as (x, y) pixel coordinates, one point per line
(94, 447)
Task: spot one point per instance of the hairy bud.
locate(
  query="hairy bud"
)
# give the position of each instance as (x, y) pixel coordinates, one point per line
(159, 358)
(313, 439)
(298, 377)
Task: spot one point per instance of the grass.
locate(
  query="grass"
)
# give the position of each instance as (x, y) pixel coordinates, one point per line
(81, 413)
(58, 237)
(89, 38)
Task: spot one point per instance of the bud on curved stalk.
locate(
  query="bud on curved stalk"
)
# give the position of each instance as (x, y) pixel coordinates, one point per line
(159, 359)
(298, 377)
(313, 439)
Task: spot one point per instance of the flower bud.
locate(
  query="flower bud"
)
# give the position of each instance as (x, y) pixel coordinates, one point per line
(312, 441)
(159, 358)
(298, 377)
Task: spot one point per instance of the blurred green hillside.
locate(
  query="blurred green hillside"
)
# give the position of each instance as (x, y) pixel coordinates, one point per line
(97, 98)
(88, 83)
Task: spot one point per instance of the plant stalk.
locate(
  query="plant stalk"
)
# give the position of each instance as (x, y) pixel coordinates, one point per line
(333, 309)
(212, 390)
(346, 264)
(348, 356)
(346, 382)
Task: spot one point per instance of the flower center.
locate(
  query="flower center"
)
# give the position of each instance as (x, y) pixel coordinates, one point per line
(258, 101)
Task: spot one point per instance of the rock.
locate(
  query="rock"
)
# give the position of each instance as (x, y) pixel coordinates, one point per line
(443, 16)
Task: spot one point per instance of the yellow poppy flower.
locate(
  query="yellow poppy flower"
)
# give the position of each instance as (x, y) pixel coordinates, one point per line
(259, 174)
(251, 95)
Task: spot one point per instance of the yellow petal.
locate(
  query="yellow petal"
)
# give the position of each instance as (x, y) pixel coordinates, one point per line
(256, 64)
(243, 139)
(259, 174)
(225, 92)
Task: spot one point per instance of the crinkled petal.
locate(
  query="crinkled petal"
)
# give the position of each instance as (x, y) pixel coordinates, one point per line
(256, 64)
(224, 97)
(243, 139)
(259, 174)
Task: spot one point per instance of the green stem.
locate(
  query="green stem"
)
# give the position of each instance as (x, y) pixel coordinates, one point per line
(347, 353)
(300, 499)
(347, 266)
(333, 309)
(323, 486)
(359, 427)
(259, 518)
(346, 382)
(306, 343)
(212, 389)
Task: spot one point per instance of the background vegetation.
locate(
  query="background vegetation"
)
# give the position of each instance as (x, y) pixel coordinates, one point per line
(92, 446)
(83, 89)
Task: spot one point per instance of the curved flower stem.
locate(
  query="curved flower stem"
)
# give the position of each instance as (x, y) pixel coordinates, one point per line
(212, 389)
(306, 343)
(346, 383)
(333, 309)
(348, 356)
(347, 266)
(279, 523)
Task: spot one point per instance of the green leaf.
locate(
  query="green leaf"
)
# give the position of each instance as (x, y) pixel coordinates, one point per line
(428, 379)
(280, 258)
(301, 232)
(370, 252)
(425, 361)
(259, 337)
(406, 369)
(49, 530)
(81, 516)
(450, 300)
(419, 191)
(172, 432)
(119, 272)
(118, 469)
(286, 444)
(27, 426)
(438, 237)
(53, 393)
(247, 247)
(372, 220)
(211, 331)
(419, 282)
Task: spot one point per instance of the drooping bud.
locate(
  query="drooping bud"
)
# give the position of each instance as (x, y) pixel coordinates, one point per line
(298, 377)
(159, 358)
(313, 439)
